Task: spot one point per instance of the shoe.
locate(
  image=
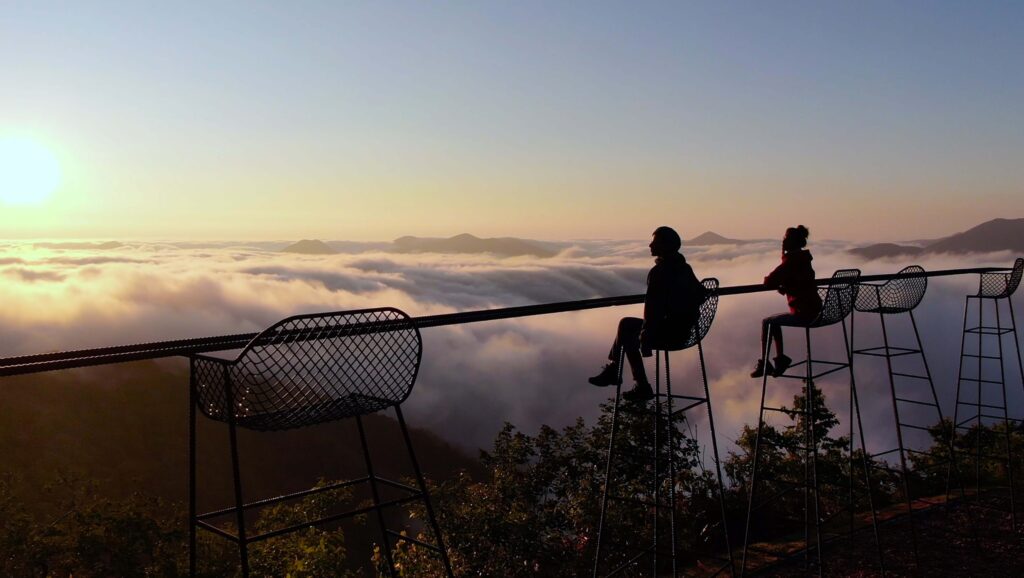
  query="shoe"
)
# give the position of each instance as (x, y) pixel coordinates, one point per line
(640, 392)
(782, 363)
(761, 367)
(609, 376)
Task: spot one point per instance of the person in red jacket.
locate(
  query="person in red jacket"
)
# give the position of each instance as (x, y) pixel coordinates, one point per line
(671, 308)
(794, 278)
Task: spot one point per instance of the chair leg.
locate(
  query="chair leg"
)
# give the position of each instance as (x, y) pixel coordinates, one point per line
(608, 469)
(812, 444)
(904, 471)
(1016, 340)
(848, 342)
(671, 471)
(1020, 364)
(718, 464)
(243, 545)
(385, 541)
(657, 465)
(757, 455)
(953, 456)
(426, 496)
(191, 475)
(980, 421)
(855, 411)
(1006, 421)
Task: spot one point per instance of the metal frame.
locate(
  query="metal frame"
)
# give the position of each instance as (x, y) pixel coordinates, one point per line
(285, 378)
(994, 287)
(665, 417)
(837, 304)
(896, 297)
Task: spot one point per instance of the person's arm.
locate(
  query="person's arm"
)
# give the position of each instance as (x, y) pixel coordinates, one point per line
(656, 300)
(778, 278)
(655, 305)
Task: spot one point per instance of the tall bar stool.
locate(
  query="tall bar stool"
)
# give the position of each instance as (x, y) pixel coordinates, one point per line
(303, 371)
(897, 297)
(660, 456)
(837, 303)
(983, 411)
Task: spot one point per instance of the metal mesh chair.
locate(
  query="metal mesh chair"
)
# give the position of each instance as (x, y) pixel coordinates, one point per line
(1001, 285)
(311, 369)
(303, 371)
(988, 409)
(658, 455)
(838, 298)
(901, 295)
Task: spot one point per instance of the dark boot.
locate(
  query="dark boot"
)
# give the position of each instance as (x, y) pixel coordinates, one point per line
(782, 363)
(761, 367)
(641, 392)
(609, 376)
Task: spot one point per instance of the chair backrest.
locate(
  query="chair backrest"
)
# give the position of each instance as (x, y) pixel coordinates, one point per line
(837, 297)
(314, 368)
(900, 294)
(1001, 285)
(706, 316)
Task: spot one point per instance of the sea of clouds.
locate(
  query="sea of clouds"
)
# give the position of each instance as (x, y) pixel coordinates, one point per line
(474, 377)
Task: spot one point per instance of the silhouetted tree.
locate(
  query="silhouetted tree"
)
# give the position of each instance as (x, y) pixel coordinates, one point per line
(537, 512)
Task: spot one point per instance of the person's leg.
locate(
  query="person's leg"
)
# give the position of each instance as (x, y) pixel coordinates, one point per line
(772, 324)
(626, 336)
(629, 338)
(777, 335)
(782, 361)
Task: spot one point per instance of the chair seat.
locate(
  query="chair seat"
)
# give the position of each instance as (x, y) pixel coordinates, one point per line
(884, 310)
(351, 405)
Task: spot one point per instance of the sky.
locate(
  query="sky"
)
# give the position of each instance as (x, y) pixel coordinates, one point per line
(368, 121)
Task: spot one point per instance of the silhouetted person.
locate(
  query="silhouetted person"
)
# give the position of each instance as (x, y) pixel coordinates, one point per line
(671, 308)
(794, 278)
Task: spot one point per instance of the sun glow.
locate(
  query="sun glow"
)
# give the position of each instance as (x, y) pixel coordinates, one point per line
(29, 172)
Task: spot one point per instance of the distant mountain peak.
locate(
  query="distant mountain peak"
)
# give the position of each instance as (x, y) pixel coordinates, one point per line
(713, 238)
(995, 235)
(883, 250)
(310, 247)
(467, 243)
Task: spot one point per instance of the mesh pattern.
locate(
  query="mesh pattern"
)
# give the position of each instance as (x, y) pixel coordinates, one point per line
(705, 316)
(837, 298)
(999, 285)
(893, 296)
(311, 369)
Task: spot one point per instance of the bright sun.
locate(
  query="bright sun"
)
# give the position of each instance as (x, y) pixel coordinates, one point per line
(28, 172)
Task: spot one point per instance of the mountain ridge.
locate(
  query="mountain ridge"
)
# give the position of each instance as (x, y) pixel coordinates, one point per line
(993, 235)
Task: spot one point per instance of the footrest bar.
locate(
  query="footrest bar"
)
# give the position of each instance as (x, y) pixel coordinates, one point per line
(914, 401)
(912, 376)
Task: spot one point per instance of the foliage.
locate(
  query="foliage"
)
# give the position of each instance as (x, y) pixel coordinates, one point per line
(782, 465)
(981, 451)
(90, 536)
(537, 512)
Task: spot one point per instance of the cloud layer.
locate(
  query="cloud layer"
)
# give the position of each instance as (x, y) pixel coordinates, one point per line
(527, 371)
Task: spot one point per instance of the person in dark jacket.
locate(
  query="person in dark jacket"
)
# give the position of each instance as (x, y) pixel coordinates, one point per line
(671, 308)
(794, 278)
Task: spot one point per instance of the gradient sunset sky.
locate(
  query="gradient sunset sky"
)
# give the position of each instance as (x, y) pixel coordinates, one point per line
(552, 120)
